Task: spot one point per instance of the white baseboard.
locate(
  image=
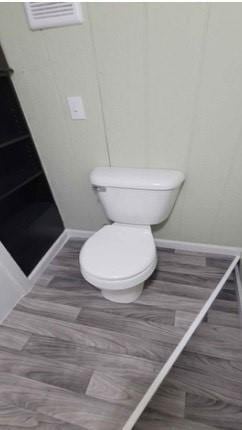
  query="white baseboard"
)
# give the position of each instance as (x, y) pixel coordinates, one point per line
(82, 234)
(199, 247)
(176, 244)
(49, 255)
(162, 243)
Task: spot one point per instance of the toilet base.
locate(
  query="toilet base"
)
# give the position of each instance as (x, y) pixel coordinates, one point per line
(127, 295)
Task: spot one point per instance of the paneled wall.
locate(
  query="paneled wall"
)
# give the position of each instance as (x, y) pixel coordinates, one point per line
(162, 87)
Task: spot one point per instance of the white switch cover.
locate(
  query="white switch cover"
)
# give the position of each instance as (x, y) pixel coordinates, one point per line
(76, 107)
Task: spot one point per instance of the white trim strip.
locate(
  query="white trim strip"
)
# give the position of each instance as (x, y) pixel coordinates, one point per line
(199, 247)
(82, 234)
(49, 255)
(239, 291)
(173, 244)
(178, 350)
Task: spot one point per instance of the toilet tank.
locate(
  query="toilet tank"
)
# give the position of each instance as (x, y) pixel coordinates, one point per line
(137, 196)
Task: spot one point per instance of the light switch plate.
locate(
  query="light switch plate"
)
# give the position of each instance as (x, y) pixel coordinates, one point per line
(76, 107)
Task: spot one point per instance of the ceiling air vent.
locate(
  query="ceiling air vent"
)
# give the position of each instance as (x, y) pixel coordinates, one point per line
(56, 14)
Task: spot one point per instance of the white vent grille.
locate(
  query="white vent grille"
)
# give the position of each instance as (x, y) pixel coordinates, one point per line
(55, 14)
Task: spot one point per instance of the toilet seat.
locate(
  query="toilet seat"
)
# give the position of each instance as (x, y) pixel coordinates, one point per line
(118, 256)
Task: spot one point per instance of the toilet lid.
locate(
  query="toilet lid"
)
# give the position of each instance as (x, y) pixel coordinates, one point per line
(118, 252)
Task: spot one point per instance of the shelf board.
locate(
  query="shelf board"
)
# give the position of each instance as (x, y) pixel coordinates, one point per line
(21, 184)
(6, 71)
(15, 140)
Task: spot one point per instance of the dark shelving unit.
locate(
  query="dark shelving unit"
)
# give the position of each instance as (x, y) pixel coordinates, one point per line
(29, 219)
(19, 163)
(20, 182)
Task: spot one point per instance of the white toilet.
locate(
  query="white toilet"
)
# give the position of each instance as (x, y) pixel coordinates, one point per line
(121, 256)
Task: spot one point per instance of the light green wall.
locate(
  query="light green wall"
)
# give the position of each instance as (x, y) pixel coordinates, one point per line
(162, 87)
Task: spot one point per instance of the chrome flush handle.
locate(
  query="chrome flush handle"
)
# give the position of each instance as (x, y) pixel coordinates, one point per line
(99, 189)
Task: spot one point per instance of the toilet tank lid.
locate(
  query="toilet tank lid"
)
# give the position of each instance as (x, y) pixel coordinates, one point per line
(150, 179)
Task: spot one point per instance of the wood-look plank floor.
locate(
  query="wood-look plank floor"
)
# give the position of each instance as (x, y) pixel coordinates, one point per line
(205, 385)
(69, 359)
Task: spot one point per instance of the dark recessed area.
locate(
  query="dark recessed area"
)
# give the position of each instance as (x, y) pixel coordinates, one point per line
(29, 219)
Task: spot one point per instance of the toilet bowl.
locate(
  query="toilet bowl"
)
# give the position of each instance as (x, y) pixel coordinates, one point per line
(118, 259)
